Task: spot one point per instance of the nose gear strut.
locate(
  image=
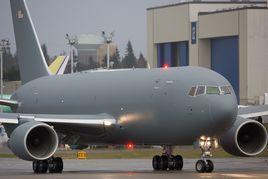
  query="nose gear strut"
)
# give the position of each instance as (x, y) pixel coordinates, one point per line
(204, 165)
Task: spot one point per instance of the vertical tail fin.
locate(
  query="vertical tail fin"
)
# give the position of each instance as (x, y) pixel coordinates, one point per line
(31, 60)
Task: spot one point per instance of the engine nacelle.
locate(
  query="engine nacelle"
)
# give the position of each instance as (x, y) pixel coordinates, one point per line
(33, 141)
(246, 138)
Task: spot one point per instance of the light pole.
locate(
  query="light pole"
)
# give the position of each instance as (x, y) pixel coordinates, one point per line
(71, 42)
(108, 40)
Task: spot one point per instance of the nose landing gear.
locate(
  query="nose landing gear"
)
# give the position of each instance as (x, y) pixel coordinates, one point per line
(204, 165)
(167, 161)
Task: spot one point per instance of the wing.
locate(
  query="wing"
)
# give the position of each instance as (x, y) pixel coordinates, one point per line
(70, 128)
(98, 119)
(253, 111)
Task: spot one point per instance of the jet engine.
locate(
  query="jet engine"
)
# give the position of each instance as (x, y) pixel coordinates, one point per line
(246, 138)
(33, 141)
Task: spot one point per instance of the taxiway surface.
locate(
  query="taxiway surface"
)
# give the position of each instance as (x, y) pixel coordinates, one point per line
(136, 168)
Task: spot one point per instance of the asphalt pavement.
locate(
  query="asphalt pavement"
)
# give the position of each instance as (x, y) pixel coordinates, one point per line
(136, 168)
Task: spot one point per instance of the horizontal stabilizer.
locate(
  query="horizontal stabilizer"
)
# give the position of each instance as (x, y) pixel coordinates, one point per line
(10, 103)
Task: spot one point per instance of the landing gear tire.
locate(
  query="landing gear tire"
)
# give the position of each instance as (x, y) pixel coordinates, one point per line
(178, 160)
(209, 166)
(55, 165)
(164, 162)
(156, 162)
(204, 164)
(40, 166)
(167, 161)
(171, 163)
(200, 166)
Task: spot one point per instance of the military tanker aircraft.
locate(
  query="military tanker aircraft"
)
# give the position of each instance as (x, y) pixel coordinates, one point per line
(163, 107)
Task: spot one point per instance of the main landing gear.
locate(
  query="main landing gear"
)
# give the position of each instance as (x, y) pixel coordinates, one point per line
(204, 165)
(167, 161)
(53, 165)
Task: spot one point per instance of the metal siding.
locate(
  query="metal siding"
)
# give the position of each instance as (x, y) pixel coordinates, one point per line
(173, 54)
(167, 54)
(159, 55)
(164, 54)
(225, 59)
(183, 53)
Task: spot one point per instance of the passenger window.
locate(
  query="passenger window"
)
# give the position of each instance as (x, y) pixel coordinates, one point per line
(192, 91)
(212, 90)
(226, 90)
(200, 90)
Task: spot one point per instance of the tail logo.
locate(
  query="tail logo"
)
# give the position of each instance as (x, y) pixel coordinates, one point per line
(20, 14)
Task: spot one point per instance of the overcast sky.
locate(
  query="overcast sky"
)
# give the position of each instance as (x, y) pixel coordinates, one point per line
(54, 18)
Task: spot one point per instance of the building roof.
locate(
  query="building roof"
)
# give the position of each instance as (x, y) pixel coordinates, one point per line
(209, 2)
(89, 39)
(88, 42)
(231, 9)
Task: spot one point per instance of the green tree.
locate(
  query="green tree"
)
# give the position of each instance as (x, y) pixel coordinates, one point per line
(142, 63)
(44, 49)
(11, 67)
(93, 64)
(116, 59)
(129, 61)
(12, 74)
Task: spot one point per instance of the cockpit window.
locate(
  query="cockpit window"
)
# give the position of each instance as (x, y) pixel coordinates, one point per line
(200, 90)
(226, 90)
(213, 90)
(192, 91)
(210, 90)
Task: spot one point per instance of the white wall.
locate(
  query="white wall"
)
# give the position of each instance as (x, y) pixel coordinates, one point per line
(243, 62)
(257, 52)
(171, 24)
(194, 9)
(218, 25)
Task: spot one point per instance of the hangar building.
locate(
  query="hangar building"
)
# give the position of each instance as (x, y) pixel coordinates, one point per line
(230, 37)
(92, 47)
(87, 47)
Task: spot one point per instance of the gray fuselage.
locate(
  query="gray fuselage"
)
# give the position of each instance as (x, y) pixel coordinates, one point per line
(150, 106)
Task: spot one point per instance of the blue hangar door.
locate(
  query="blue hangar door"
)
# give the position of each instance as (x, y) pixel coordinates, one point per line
(172, 54)
(225, 59)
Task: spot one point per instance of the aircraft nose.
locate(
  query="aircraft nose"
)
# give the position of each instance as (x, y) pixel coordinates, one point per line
(224, 111)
